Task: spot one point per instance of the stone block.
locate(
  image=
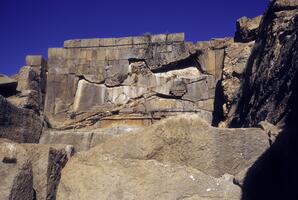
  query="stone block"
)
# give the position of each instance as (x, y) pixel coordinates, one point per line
(36, 60)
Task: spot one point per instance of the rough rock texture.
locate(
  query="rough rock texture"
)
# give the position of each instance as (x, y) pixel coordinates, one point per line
(189, 140)
(145, 77)
(7, 85)
(236, 56)
(83, 140)
(271, 75)
(16, 181)
(43, 164)
(247, 29)
(31, 85)
(109, 177)
(164, 161)
(19, 124)
(105, 100)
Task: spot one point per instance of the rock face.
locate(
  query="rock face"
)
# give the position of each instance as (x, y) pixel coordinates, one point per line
(83, 140)
(19, 124)
(31, 85)
(168, 155)
(247, 29)
(34, 168)
(96, 82)
(270, 82)
(135, 78)
(236, 56)
(16, 181)
(137, 113)
(189, 140)
(114, 178)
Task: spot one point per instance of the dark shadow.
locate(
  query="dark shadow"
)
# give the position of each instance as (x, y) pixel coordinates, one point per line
(275, 174)
(218, 105)
(8, 89)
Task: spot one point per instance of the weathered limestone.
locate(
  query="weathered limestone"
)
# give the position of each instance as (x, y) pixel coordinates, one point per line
(107, 77)
(31, 86)
(16, 181)
(164, 161)
(247, 29)
(189, 140)
(39, 165)
(114, 178)
(83, 140)
(19, 124)
(236, 58)
(269, 87)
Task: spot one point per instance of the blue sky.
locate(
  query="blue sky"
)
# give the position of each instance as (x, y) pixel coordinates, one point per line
(32, 26)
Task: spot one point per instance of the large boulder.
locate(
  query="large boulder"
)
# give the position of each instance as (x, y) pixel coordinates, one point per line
(178, 157)
(189, 140)
(109, 177)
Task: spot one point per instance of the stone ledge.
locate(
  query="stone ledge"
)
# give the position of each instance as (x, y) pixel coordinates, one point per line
(125, 41)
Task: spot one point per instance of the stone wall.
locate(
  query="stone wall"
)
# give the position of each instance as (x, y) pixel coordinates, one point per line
(137, 79)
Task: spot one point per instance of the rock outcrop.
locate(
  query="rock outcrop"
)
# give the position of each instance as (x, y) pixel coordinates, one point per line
(247, 29)
(270, 81)
(179, 152)
(83, 139)
(137, 114)
(31, 85)
(114, 178)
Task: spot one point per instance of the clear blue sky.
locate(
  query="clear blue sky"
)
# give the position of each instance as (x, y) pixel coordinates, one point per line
(32, 26)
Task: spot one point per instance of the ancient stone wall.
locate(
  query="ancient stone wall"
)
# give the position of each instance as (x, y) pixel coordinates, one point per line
(133, 79)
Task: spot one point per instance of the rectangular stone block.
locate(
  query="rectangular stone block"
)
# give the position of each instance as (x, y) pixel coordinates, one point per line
(34, 60)
(72, 43)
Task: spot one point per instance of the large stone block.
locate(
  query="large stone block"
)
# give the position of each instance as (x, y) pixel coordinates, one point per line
(189, 140)
(34, 60)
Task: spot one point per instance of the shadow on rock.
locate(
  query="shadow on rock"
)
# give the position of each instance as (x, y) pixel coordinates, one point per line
(274, 175)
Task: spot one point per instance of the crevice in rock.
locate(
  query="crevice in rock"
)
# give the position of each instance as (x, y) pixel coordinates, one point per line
(82, 77)
(190, 61)
(57, 161)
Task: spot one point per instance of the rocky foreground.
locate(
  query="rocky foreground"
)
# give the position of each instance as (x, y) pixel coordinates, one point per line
(155, 117)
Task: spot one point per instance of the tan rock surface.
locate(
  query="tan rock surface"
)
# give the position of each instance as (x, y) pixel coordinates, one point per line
(44, 163)
(189, 140)
(109, 177)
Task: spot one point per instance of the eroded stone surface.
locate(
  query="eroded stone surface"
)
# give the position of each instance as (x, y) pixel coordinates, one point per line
(39, 165)
(19, 124)
(104, 77)
(247, 29)
(189, 140)
(270, 84)
(110, 177)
